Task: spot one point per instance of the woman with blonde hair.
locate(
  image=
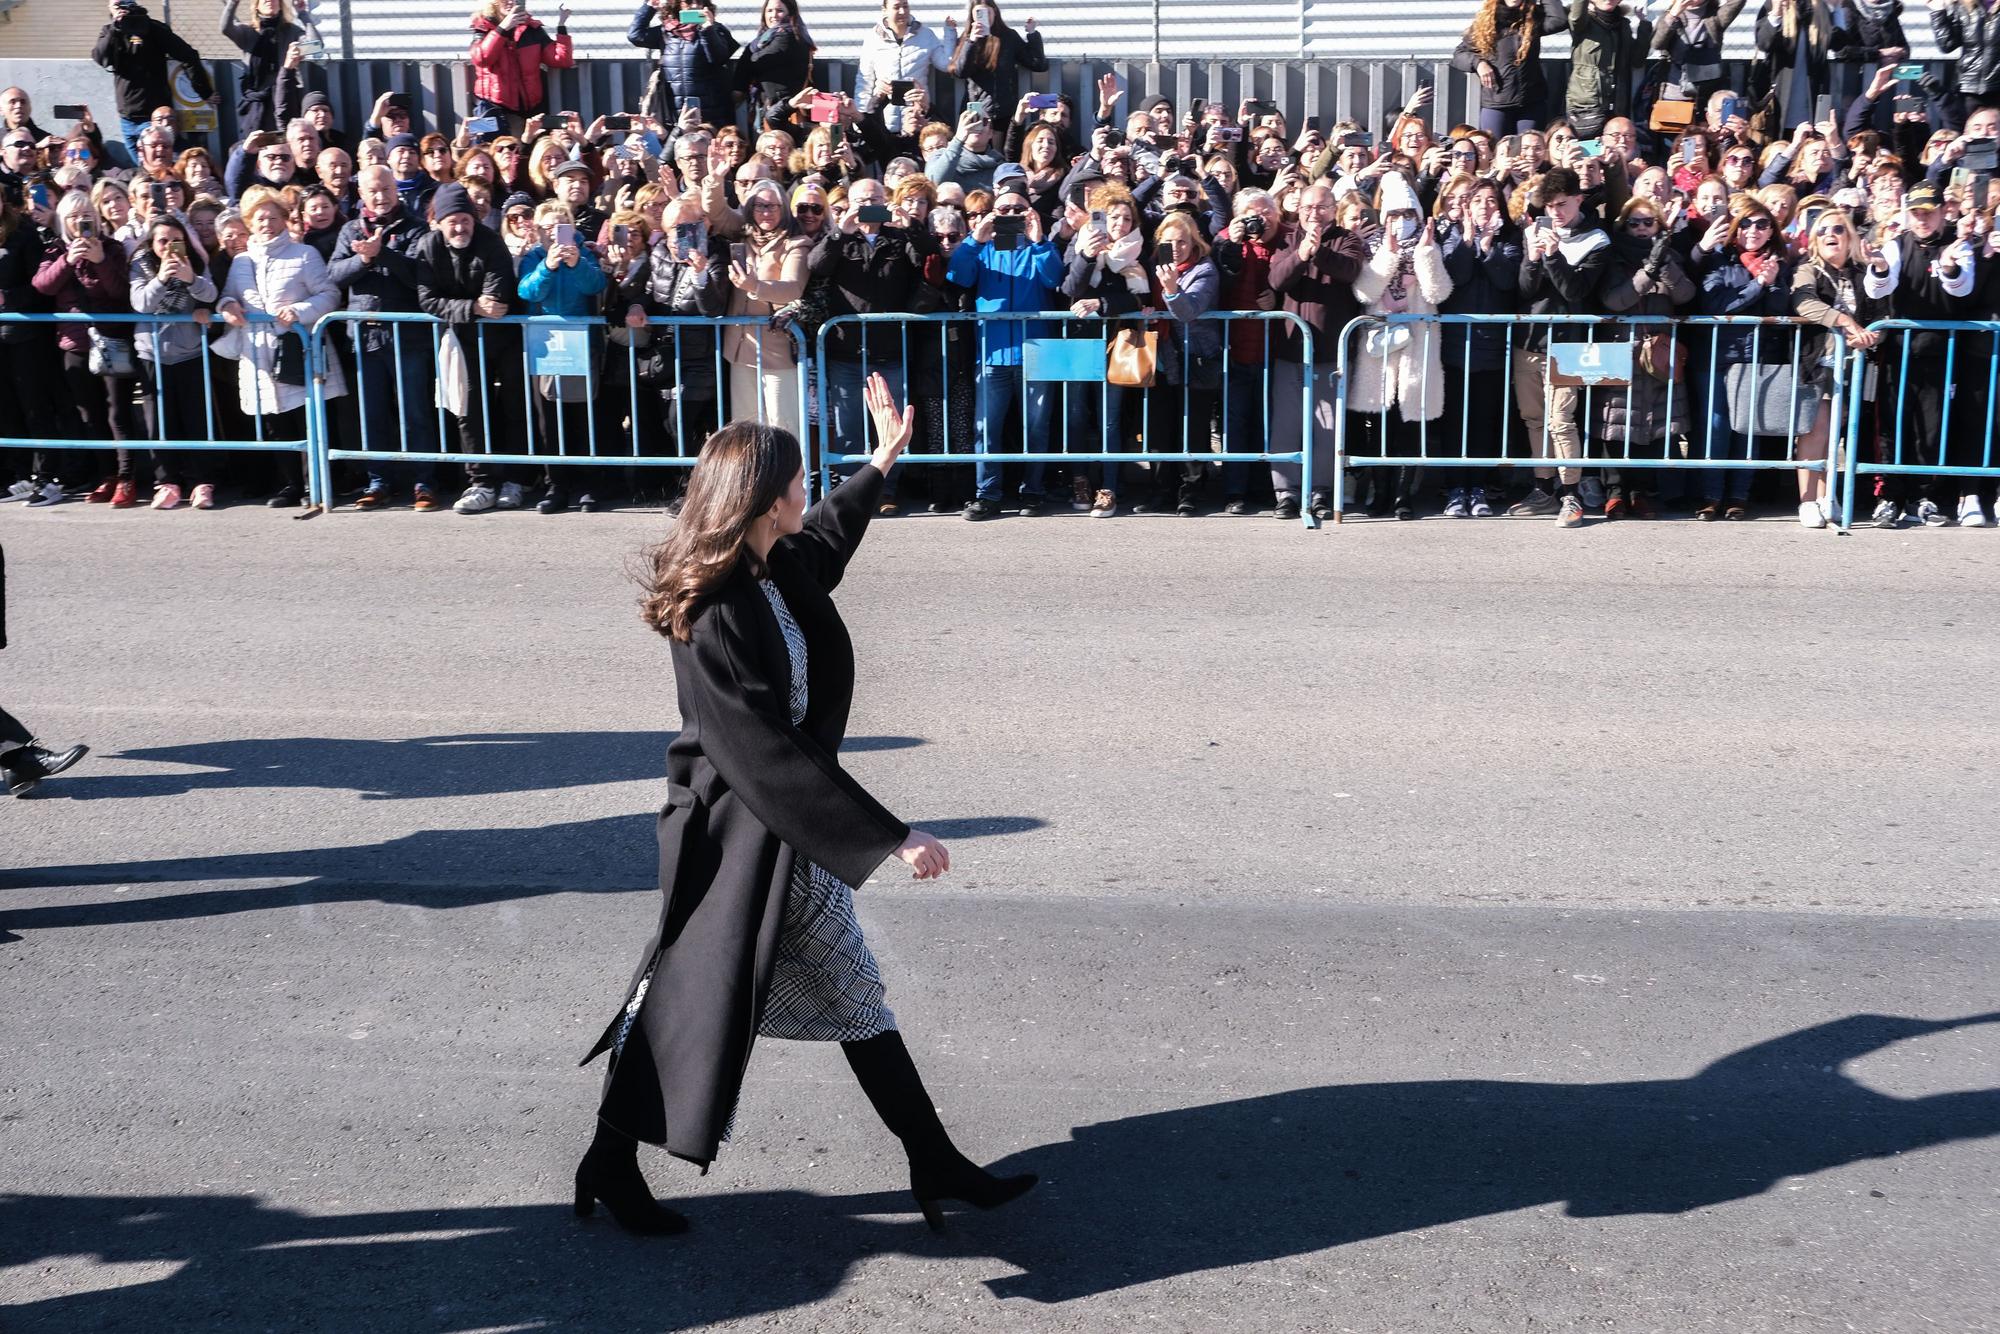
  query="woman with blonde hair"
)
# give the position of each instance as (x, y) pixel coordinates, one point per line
(1829, 289)
(1188, 285)
(770, 272)
(266, 42)
(1503, 47)
(286, 279)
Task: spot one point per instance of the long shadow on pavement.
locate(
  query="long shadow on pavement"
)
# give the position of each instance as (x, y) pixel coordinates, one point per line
(1123, 1202)
(432, 868)
(477, 764)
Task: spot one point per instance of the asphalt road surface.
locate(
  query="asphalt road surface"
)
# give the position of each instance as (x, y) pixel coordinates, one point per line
(1422, 927)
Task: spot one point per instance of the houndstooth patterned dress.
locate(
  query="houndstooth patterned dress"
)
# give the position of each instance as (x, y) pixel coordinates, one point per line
(825, 986)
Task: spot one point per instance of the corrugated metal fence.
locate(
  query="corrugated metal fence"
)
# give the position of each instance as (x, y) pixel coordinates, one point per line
(1371, 92)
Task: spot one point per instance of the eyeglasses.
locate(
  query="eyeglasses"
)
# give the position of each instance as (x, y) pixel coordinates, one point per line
(1740, 160)
(1635, 224)
(276, 155)
(20, 143)
(1755, 225)
(1011, 212)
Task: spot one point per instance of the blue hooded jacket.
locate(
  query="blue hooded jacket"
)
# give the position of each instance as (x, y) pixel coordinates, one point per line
(1013, 280)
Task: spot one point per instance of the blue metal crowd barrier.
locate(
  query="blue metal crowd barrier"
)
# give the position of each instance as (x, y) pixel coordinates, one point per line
(152, 374)
(1606, 360)
(552, 349)
(1934, 375)
(1072, 352)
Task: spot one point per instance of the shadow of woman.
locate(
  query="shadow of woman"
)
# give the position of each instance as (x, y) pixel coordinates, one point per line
(1123, 1202)
(1147, 1197)
(472, 764)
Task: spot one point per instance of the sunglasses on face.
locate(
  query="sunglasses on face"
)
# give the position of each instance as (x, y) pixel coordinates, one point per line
(1740, 160)
(1011, 212)
(1755, 225)
(1638, 224)
(814, 209)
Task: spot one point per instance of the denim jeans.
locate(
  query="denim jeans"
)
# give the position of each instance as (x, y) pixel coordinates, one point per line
(1084, 403)
(999, 390)
(1246, 423)
(399, 418)
(847, 408)
(1727, 485)
(130, 130)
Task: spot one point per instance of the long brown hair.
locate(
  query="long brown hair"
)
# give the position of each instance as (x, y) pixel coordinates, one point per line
(1484, 34)
(744, 469)
(989, 46)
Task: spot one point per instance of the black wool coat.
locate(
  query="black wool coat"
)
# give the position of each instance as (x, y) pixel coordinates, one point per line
(747, 793)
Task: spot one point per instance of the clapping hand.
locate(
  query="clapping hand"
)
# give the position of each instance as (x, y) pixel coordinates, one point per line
(893, 428)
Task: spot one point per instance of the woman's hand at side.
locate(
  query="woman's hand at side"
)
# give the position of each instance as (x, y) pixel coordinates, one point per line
(893, 427)
(925, 855)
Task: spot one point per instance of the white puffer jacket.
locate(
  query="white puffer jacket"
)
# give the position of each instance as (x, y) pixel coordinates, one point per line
(287, 275)
(1403, 364)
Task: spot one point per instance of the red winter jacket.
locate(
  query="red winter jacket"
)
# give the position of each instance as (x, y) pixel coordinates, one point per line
(509, 64)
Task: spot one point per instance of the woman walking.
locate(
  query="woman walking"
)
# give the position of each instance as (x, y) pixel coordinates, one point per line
(763, 833)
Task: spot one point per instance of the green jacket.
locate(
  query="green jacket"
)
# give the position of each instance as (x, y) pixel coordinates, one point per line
(1605, 52)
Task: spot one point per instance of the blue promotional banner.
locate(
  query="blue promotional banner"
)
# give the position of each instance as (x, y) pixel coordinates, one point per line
(559, 349)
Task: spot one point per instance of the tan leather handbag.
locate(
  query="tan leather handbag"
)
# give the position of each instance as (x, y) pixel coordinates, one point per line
(1132, 359)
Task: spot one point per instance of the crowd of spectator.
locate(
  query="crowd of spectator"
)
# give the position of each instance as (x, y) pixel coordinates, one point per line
(1839, 185)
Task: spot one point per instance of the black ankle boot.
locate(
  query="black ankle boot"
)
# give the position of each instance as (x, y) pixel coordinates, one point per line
(610, 1172)
(938, 1171)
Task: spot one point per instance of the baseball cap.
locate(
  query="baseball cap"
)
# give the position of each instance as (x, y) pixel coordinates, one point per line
(1923, 196)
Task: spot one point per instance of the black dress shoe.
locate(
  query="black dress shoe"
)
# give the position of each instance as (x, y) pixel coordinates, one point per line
(586, 503)
(26, 766)
(977, 508)
(286, 499)
(1030, 505)
(1288, 507)
(552, 502)
(1238, 508)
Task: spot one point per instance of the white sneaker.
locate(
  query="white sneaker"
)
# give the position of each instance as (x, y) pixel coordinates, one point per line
(1930, 516)
(1832, 510)
(510, 496)
(50, 494)
(1811, 515)
(1971, 514)
(476, 500)
(19, 491)
(1591, 491)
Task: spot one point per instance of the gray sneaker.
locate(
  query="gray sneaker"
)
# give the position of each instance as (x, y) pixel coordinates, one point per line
(1538, 503)
(1931, 516)
(1592, 492)
(1571, 515)
(510, 497)
(1482, 508)
(1887, 514)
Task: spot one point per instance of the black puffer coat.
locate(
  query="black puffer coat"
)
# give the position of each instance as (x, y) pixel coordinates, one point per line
(1971, 29)
(1519, 82)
